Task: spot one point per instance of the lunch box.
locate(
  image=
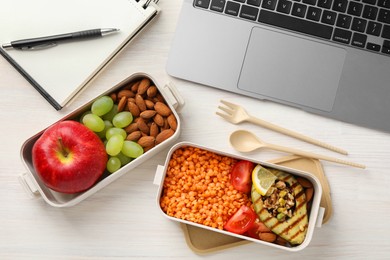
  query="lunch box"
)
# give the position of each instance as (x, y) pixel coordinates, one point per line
(35, 187)
(315, 213)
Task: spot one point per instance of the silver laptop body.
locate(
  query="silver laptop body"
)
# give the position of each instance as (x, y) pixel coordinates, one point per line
(239, 54)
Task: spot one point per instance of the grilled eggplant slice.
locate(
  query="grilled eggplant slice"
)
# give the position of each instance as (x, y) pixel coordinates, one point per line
(292, 229)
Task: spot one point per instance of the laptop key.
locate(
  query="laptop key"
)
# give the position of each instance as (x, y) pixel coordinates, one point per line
(232, 8)
(253, 2)
(217, 5)
(359, 40)
(374, 28)
(386, 32)
(269, 4)
(313, 13)
(284, 6)
(299, 10)
(342, 36)
(386, 47)
(249, 12)
(324, 3)
(329, 17)
(202, 3)
(295, 24)
(373, 46)
(358, 24)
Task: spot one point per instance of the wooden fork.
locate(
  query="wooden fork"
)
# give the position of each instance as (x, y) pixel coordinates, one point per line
(236, 114)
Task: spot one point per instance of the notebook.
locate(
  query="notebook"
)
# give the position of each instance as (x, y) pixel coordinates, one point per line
(329, 57)
(61, 72)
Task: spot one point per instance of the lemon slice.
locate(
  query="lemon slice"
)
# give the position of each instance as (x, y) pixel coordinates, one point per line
(262, 179)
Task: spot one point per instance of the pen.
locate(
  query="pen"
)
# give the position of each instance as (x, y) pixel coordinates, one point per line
(49, 41)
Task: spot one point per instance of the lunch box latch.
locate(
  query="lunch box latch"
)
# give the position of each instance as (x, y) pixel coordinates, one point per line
(173, 96)
(320, 217)
(28, 184)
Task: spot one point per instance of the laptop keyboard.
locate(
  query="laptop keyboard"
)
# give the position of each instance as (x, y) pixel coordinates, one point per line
(363, 24)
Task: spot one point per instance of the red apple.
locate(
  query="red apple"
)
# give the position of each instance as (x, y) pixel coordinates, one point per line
(69, 157)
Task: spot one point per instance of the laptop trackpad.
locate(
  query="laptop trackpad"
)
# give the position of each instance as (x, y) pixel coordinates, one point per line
(291, 69)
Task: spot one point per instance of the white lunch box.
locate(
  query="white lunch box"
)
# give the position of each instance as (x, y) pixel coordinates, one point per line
(315, 212)
(34, 186)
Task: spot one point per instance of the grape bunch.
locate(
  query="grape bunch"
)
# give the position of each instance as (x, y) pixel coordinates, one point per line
(104, 119)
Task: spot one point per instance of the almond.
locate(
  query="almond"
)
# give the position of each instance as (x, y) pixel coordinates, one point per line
(131, 128)
(122, 103)
(172, 121)
(158, 119)
(134, 136)
(126, 92)
(309, 194)
(134, 87)
(113, 97)
(147, 114)
(149, 104)
(140, 102)
(162, 109)
(268, 237)
(152, 91)
(142, 125)
(143, 86)
(148, 148)
(154, 130)
(133, 108)
(164, 135)
(146, 141)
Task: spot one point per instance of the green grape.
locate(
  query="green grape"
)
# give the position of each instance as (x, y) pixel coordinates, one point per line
(110, 115)
(114, 145)
(113, 164)
(132, 149)
(107, 125)
(93, 122)
(122, 119)
(123, 158)
(115, 130)
(85, 113)
(102, 105)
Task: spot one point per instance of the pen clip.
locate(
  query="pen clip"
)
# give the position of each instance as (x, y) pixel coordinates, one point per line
(41, 46)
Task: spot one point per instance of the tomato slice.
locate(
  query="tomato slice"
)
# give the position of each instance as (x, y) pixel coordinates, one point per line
(241, 176)
(241, 221)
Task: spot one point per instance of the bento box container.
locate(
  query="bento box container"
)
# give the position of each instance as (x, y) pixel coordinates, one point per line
(35, 187)
(315, 213)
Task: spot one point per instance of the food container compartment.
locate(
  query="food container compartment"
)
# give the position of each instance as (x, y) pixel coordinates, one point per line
(35, 187)
(314, 212)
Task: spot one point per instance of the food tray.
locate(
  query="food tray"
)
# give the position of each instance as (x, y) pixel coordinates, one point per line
(204, 241)
(226, 239)
(34, 186)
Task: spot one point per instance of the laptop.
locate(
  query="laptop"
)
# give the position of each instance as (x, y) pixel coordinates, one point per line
(329, 57)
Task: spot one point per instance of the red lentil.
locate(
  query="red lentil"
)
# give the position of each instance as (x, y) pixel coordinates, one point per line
(197, 188)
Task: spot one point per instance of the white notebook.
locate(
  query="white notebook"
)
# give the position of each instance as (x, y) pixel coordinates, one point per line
(60, 72)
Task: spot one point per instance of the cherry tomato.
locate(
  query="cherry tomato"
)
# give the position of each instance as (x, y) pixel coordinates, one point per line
(241, 176)
(241, 221)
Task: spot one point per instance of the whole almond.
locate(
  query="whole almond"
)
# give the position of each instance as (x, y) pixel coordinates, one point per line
(309, 194)
(172, 121)
(140, 102)
(122, 103)
(131, 128)
(142, 125)
(148, 148)
(166, 124)
(158, 119)
(147, 114)
(143, 86)
(154, 130)
(162, 109)
(164, 135)
(263, 228)
(152, 91)
(146, 141)
(113, 97)
(134, 87)
(134, 136)
(126, 92)
(268, 237)
(149, 104)
(133, 108)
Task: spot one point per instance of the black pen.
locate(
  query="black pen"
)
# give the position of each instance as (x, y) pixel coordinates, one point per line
(49, 41)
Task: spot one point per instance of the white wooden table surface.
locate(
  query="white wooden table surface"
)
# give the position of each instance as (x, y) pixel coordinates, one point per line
(122, 220)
